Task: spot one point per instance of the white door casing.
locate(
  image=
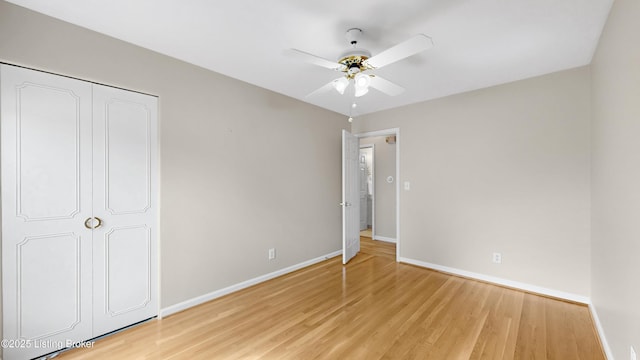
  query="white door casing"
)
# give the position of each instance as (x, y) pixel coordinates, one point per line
(51, 262)
(350, 197)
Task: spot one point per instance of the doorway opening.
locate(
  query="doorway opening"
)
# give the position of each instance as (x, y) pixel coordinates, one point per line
(366, 179)
(379, 173)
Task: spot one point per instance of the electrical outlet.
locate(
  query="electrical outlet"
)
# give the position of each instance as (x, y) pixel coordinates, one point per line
(632, 351)
(497, 258)
(272, 254)
(407, 185)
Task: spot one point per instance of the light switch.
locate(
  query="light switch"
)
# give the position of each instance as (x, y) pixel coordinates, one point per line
(407, 186)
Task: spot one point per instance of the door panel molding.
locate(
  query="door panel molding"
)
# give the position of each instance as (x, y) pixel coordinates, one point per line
(110, 253)
(130, 119)
(34, 197)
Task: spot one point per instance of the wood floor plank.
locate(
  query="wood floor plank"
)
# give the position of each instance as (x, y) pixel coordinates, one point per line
(371, 308)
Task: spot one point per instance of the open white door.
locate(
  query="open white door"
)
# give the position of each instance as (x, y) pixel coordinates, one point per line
(350, 197)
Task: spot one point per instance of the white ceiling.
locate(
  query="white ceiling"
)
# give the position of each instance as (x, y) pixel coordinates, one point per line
(478, 43)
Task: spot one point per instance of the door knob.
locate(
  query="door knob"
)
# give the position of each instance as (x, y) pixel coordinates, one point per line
(345, 204)
(88, 223)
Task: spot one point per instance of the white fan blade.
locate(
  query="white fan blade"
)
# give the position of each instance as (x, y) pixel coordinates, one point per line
(385, 86)
(403, 50)
(312, 59)
(324, 88)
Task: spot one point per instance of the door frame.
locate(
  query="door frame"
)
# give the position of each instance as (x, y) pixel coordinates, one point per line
(388, 132)
(373, 185)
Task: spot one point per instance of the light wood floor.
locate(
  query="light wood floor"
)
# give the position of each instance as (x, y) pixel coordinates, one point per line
(372, 308)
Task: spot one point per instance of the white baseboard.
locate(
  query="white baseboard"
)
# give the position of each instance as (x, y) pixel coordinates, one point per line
(499, 281)
(245, 284)
(600, 330)
(384, 238)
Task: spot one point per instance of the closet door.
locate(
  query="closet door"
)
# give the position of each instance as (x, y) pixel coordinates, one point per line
(124, 183)
(46, 198)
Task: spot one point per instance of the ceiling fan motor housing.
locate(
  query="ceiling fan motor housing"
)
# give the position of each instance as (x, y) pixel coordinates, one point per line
(353, 59)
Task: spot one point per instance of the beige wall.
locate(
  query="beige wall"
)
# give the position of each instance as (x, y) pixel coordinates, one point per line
(616, 178)
(385, 193)
(239, 164)
(504, 169)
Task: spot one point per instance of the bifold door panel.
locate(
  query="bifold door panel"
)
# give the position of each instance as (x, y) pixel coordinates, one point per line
(78, 210)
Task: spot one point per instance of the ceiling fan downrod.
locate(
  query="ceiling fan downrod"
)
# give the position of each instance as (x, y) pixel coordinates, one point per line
(353, 35)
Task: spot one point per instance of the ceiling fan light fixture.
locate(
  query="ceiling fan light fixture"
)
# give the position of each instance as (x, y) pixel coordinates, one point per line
(361, 83)
(362, 80)
(340, 85)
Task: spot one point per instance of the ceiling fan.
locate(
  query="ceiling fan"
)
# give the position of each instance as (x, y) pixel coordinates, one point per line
(357, 63)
